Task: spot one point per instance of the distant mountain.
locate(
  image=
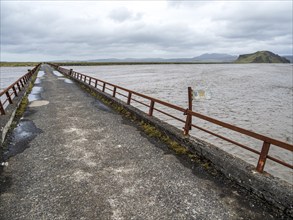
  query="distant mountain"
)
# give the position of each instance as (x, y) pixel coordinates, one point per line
(261, 57)
(139, 60)
(207, 57)
(215, 57)
(258, 57)
(129, 60)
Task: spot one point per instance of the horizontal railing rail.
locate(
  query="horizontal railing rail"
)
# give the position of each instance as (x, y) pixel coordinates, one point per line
(115, 89)
(12, 91)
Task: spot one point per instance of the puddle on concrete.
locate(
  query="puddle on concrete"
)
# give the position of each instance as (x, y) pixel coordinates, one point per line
(68, 81)
(101, 106)
(37, 89)
(38, 81)
(34, 97)
(56, 73)
(35, 94)
(39, 103)
(41, 74)
(20, 138)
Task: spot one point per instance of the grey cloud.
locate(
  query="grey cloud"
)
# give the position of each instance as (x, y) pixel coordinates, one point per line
(254, 31)
(23, 24)
(186, 3)
(253, 21)
(122, 14)
(40, 31)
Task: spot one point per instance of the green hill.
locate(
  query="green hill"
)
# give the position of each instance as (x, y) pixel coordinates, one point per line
(261, 57)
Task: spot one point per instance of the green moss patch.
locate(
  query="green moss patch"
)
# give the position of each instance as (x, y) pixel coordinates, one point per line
(24, 102)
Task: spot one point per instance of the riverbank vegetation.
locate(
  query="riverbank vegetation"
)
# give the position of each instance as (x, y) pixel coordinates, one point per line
(16, 64)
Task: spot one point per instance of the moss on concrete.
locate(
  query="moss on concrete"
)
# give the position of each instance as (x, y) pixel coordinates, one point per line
(24, 102)
(152, 131)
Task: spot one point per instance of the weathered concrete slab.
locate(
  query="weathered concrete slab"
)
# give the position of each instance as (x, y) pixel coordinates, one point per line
(88, 162)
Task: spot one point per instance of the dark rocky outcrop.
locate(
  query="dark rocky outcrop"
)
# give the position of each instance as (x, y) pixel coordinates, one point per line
(261, 57)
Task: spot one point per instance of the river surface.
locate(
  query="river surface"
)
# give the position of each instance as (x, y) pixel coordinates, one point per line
(9, 75)
(256, 97)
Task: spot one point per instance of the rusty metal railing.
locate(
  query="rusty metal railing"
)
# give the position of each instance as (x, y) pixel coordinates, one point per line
(12, 91)
(114, 90)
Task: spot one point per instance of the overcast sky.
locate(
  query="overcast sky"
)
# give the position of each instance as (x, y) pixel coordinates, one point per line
(81, 30)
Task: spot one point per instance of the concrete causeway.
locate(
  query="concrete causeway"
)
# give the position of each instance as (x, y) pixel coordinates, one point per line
(79, 159)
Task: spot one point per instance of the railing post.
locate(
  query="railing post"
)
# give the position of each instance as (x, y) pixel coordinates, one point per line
(96, 83)
(104, 86)
(70, 72)
(90, 80)
(188, 121)
(8, 97)
(18, 86)
(84, 79)
(2, 111)
(114, 91)
(14, 90)
(151, 110)
(190, 103)
(21, 82)
(263, 157)
(129, 98)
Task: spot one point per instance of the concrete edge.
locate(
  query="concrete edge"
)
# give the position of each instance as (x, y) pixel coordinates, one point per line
(7, 119)
(269, 188)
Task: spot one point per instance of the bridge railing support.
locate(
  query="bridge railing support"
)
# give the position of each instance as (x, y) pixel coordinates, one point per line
(12, 91)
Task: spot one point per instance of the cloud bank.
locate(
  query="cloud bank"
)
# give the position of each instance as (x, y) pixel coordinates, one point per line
(81, 30)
